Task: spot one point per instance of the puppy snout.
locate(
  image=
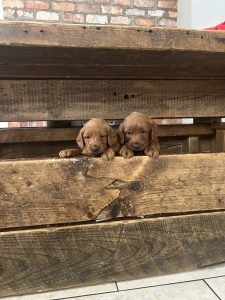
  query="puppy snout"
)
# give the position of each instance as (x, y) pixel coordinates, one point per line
(95, 149)
(136, 146)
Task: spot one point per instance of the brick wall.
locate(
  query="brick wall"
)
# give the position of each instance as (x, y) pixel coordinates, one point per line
(114, 12)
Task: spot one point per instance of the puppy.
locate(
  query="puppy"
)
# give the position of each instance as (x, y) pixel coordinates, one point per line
(138, 133)
(96, 138)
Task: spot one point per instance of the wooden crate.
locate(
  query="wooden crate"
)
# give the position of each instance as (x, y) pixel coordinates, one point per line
(79, 221)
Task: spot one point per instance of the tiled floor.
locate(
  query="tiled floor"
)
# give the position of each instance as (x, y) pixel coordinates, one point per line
(203, 284)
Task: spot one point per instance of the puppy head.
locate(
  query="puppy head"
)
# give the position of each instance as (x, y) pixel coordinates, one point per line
(95, 137)
(137, 131)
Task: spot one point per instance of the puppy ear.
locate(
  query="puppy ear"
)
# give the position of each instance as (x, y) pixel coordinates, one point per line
(80, 139)
(121, 134)
(153, 131)
(112, 136)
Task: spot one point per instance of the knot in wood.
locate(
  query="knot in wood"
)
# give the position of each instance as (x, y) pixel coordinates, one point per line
(135, 186)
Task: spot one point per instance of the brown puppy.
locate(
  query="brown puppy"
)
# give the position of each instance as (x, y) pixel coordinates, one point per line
(138, 133)
(96, 138)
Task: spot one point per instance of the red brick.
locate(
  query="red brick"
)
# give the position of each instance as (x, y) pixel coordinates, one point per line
(14, 124)
(87, 8)
(122, 2)
(25, 15)
(75, 18)
(74, 1)
(47, 16)
(114, 10)
(167, 4)
(101, 1)
(97, 19)
(37, 5)
(144, 3)
(135, 12)
(63, 6)
(144, 22)
(121, 20)
(172, 14)
(13, 3)
(167, 23)
(9, 13)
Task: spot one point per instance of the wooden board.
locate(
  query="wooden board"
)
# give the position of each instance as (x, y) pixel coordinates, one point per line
(54, 258)
(34, 149)
(11, 150)
(32, 100)
(220, 141)
(49, 191)
(24, 135)
(56, 50)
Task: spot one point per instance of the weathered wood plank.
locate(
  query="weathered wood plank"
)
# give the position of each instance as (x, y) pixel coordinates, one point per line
(24, 100)
(24, 135)
(215, 70)
(33, 149)
(51, 149)
(32, 49)
(220, 141)
(54, 258)
(63, 35)
(36, 192)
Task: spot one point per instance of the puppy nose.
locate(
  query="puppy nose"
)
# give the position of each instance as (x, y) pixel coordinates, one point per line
(136, 145)
(95, 149)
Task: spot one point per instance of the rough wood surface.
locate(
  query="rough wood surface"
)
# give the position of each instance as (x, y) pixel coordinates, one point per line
(33, 149)
(32, 49)
(24, 100)
(62, 35)
(24, 135)
(54, 258)
(174, 145)
(220, 141)
(37, 192)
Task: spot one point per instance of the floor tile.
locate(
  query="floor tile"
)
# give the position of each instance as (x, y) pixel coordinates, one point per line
(195, 290)
(86, 290)
(214, 271)
(218, 285)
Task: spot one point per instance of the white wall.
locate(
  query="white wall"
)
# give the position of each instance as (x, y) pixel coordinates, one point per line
(184, 14)
(200, 14)
(1, 10)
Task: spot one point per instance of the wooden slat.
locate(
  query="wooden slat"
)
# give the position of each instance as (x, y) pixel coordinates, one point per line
(32, 49)
(54, 258)
(24, 100)
(63, 35)
(34, 149)
(51, 149)
(24, 135)
(74, 190)
(215, 70)
(220, 141)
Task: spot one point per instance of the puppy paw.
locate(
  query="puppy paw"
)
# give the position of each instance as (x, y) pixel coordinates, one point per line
(66, 153)
(152, 152)
(108, 154)
(126, 153)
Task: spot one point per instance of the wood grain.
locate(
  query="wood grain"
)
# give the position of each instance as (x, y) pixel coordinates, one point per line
(32, 49)
(62, 35)
(174, 145)
(25, 135)
(220, 141)
(48, 191)
(54, 258)
(24, 100)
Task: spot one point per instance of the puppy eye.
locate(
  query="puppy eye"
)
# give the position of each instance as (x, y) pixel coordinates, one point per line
(129, 133)
(87, 137)
(102, 136)
(143, 132)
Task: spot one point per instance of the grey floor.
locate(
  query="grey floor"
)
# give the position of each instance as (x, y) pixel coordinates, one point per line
(203, 284)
